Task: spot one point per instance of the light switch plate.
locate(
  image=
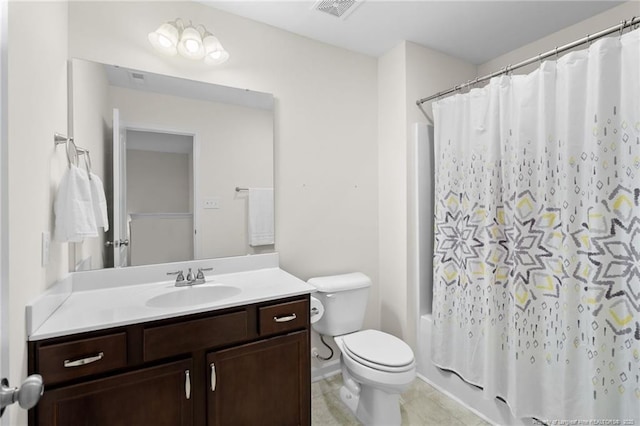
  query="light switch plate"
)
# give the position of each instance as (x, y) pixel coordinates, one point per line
(212, 203)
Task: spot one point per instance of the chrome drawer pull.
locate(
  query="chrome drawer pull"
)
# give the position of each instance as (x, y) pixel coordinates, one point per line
(213, 377)
(84, 361)
(187, 384)
(285, 319)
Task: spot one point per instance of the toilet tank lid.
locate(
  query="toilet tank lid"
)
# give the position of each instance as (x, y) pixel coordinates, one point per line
(342, 282)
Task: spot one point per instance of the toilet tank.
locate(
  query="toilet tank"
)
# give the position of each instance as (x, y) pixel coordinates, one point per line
(344, 298)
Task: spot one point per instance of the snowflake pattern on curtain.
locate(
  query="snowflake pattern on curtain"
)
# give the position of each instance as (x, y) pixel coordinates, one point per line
(525, 259)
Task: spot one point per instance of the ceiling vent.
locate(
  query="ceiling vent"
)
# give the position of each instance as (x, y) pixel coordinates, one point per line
(338, 8)
(137, 78)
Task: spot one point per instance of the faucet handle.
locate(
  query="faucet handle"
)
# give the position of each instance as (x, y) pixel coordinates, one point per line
(179, 275)
(200, 275)
(200, 279)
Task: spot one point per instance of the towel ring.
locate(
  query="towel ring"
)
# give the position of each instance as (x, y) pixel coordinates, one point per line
(87, 163)
(75, 150)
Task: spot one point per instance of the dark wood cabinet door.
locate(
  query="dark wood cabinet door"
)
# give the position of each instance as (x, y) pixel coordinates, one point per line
(152, 396)
(261, 383)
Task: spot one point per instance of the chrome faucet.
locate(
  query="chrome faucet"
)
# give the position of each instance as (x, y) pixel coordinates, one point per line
(191, 278)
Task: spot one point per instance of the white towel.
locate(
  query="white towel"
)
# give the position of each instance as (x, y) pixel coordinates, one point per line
(99, 202)
(261, 226)
(73, 208)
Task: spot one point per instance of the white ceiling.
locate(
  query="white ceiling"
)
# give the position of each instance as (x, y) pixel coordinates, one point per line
(475, 31)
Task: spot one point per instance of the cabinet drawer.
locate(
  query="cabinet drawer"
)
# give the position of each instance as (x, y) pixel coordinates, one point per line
(189, 336)
(65, 361)
(283, 317)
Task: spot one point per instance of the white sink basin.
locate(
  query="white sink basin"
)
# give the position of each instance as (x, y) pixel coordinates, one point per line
(191, 296)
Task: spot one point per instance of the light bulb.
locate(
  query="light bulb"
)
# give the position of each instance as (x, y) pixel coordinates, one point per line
(215, 53)
(190, 45)
(165, 38)
(164, 41)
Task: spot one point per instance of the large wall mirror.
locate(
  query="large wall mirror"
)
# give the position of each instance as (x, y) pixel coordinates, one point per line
(180, 162)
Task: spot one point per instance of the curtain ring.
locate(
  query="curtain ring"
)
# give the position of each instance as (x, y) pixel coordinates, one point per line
(622, 25)
(588, 41)
(556, 53)
(469, 82)
(540, 58)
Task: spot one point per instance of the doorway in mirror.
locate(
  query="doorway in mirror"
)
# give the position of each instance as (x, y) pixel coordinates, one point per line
(159, 197)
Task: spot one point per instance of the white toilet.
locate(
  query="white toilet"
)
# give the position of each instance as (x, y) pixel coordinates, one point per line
(376, 367)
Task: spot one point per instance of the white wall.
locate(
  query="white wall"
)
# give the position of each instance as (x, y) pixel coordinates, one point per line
(91, 130)
(567, 35)
(406, 73)
(4, 198)
(326, 154)
(325, 120)
(392, 186)
(37, 107)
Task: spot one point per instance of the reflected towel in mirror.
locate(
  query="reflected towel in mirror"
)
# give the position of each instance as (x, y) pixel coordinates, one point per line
(261, 223)
(99, 201)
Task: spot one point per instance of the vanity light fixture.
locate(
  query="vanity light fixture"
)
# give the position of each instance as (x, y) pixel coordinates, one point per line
(191, 42)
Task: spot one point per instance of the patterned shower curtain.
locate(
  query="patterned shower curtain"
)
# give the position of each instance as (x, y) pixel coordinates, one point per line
(537, 236)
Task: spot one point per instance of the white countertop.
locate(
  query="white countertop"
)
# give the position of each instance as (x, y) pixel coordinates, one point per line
(104, 308)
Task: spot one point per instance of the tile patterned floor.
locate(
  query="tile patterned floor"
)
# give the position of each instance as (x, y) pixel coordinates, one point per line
(421, 405)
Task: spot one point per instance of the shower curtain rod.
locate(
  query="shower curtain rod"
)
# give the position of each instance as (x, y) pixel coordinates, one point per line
(588, 39)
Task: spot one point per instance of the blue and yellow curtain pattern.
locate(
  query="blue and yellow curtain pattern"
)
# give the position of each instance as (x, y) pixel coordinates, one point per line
(537, 235)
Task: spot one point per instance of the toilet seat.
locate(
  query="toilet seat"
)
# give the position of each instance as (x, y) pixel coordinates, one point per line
(378, 350)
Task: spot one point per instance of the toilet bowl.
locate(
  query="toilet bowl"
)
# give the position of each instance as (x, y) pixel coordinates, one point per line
(376, 366)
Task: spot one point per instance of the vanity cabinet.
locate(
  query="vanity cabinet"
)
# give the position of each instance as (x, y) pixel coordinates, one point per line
(260, 383)
(246, 365)
(150, 396)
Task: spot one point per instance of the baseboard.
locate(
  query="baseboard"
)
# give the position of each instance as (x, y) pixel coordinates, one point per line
(328, 369)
